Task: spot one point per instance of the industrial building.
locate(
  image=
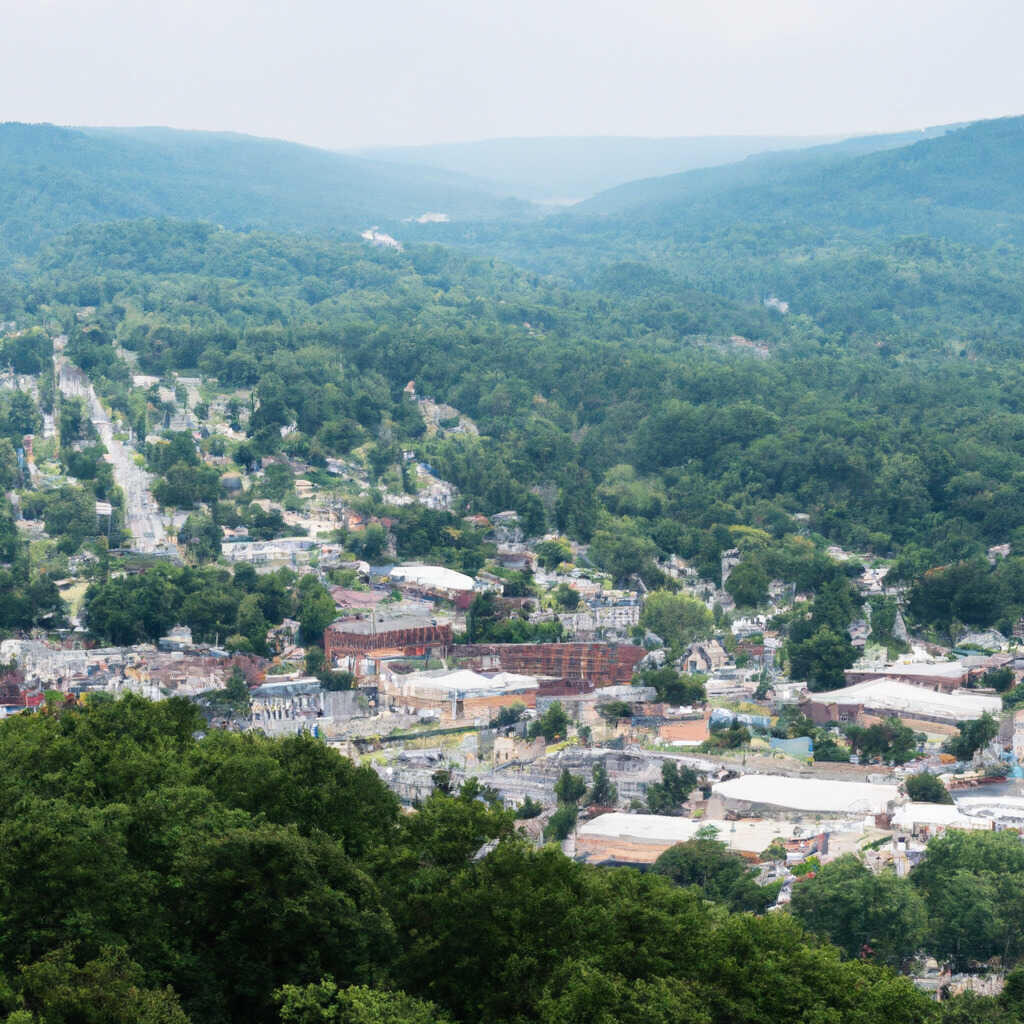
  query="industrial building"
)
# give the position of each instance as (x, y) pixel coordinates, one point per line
(601, 664)
(925, 820)
(456, 695)
(774, 793)
(943, 675)
(642, 838)
(919, 707)
(584, 706)
(1003, 810)
(292, 706)
(433, 581)
(349, 641)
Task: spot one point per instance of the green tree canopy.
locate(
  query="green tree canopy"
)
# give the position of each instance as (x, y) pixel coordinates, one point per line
(554, 723)
(676, 618)
(325, 1003)
(879, 916)
(926, 788)
(973, 736)
(723, 876)
(748, 583)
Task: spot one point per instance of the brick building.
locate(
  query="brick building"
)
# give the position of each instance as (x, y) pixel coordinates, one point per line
(602, 664)
(406, 635)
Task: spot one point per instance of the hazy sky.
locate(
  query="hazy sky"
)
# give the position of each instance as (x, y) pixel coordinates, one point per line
(339, 73)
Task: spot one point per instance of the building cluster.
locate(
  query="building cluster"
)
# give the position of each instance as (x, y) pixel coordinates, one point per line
(175, 667)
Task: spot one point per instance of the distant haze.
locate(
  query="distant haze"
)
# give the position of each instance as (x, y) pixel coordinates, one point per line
(398, 72)
(567, 170)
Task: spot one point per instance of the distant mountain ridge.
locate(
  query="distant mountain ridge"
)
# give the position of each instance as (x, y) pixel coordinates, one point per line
(920, 242)
(53, 178)
(963, 183)
(756, 169)
(960, 182)
(575, 167)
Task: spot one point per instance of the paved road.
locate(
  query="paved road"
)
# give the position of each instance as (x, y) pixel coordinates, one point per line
(142, 514)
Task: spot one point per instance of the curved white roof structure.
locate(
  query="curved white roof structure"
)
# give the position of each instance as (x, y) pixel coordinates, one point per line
(1002, 807)
(907, 699)
(751, 835)
(434, 577)
(461, 683)
(820, 795)
(945, 815)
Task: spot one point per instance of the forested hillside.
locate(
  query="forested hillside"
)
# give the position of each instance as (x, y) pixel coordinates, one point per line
(776, 165)
(916, 248)
(54, 178)
(641, 396)
(633, 417)
(964, 184)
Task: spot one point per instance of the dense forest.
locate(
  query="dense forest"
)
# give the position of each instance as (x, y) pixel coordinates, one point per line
(634, 415)
(151, 871)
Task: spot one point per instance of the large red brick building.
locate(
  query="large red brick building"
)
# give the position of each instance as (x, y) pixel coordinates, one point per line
(601, 664)
(407, 635)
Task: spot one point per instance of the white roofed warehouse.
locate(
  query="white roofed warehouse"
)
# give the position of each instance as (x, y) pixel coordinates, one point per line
(922, 709)
(940, 675)
(642, 838)
(433, 580)
(774, 793)
(924, 820)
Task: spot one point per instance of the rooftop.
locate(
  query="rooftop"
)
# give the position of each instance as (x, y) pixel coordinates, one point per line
(939, 669)
(946, 815)
(752, 835)
(435, 576)
(290, 688)
(381, 622)
(466, 681)
(994, 805)
(893, 695)
(631, 694)
(346, 598)
(805, 794)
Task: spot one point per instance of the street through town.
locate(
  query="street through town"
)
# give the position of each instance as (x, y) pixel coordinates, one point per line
(142, 514)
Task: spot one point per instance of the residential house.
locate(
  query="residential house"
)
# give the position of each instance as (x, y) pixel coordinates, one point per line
(705, 656)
